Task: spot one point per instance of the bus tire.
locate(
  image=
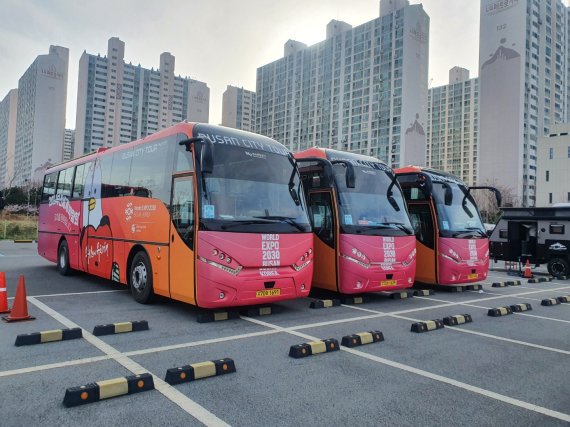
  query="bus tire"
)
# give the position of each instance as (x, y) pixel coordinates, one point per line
(63, 259)
(558, 267)
(140, 278)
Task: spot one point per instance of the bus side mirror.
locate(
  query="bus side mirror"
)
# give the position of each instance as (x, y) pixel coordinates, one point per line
(207, 156)
(350, 177)
(328, 175)
(448, 198)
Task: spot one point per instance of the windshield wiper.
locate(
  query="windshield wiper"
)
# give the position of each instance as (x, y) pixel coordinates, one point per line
(287, 219)
(470, 230)
(401, 226)
(294, 194)
(244, 222)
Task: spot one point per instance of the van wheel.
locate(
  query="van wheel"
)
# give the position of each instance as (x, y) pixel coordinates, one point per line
(63, 259)
(140, 278)
(558, 267)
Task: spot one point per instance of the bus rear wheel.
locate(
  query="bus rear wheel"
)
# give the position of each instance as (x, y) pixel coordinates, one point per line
(63, 259)
(140, 278)
(558, 267)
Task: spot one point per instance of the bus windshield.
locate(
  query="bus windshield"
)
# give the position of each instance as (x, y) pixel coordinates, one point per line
(248, 191)
(367, 208)
(460, 218)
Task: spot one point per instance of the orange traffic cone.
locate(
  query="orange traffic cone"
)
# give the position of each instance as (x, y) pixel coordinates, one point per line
(527, 271)
(3, 294)
(20, 306)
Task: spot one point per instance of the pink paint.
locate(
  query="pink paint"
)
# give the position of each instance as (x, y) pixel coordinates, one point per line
(252, 263)
(462, 260)
(376, 263)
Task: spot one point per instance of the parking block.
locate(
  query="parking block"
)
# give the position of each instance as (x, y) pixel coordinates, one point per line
(499, 311)
(216, 316)
(564, 299)
(354, 300)
(428, 325)
(93, 392)
(325, 303)
(499, 285)
(513, 283)
(458, 319)
(48, 336)
(473, 287)
(120, 328)
(258, 311)
(401, 295)
(200, 370)
(549, 301)
(314, 347)
(362, 338)
(423, 292)
(517, 308)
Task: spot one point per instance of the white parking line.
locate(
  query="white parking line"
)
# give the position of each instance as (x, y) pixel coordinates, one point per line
(191, 407)
(76, 293)
(54, 366)
(426, 374)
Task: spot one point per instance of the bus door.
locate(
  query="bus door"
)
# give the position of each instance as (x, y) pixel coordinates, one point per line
(423, 221)
(322, 214)
(182, 238)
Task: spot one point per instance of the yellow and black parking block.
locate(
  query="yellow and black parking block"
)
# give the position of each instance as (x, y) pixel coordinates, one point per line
(564, 299)
(475, 287)
(197, 371)
(499, 311)
(423, 292)
(362, 338)
(120, 328)
(48, 336)
(427, 325)
(499, 285)
(549, 301)
(561, 278)
(258, 311)
(513, 283)
(94, 392)
(325, 303)
(458, 319)
(354, 300)
(401, 295)
(517, 308)
(315, 347)
(216, 316)
(533, 281)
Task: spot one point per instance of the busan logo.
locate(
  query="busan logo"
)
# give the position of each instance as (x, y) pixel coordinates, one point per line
(496, 6)
(418, 34)
(129, 211)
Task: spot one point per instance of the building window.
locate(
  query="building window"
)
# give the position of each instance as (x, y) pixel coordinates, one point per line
(568, 197)
(569, 152)
(551, 153)
(549, 197)
(547, 176)
(556, 229)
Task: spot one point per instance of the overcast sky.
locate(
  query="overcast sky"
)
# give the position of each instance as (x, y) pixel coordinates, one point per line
(219, 42)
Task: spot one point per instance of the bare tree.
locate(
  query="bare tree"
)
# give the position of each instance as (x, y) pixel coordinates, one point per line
(487, 203)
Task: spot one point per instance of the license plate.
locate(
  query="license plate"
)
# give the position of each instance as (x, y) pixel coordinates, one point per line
(472, 276)
(388, 283)
(268, 293)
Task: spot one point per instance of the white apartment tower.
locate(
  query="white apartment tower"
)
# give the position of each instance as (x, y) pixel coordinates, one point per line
(553, 166)
(452, 130)
(119, 102)
(238, 108)
(523, 87)
(40, 121)
(68, 144)
(8, 111)
(363, 89)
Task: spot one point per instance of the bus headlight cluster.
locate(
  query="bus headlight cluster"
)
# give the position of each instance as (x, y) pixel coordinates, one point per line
(451, 255)
(411, 257)
(357, 257)
(222, 256)
(304, 261)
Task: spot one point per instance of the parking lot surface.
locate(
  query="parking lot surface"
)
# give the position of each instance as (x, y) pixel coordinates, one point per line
(509, 370)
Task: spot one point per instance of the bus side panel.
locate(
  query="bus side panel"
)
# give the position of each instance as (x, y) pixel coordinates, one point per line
(324, 271)
(47, 245)
(59, 217)
(181, 271)
(74, 252)
(425, 264)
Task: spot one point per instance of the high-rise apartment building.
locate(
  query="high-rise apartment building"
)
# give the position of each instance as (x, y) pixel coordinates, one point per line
(119, 102)
(363, 89)
(452, 130)
(238, 108)
(40, 118)
(553, 166)
(524, 58)
(8, 111)
(68, 144)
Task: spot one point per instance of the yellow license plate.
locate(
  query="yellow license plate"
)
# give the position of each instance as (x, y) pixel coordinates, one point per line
(472, 276)
(388, 283)
(268, 293)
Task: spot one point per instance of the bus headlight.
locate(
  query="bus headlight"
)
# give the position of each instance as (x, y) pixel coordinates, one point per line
(357, 257)
(304, 261)
(411, 257)
(451, 255)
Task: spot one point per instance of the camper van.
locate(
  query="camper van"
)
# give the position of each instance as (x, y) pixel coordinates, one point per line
(535, 234)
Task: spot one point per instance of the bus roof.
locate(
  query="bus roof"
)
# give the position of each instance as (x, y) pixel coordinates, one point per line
(216, 134)
(435, 175)
(330, 154)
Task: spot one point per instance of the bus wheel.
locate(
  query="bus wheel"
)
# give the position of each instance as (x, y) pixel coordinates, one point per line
(141, 278)
(558, 267)
(63, 259)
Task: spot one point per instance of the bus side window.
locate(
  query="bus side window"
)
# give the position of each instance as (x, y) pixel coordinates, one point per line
(320, 211)
(64, 182)
(49, 186)
(422, 221)
(183, 159)
(78, 182)
(183, 208)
